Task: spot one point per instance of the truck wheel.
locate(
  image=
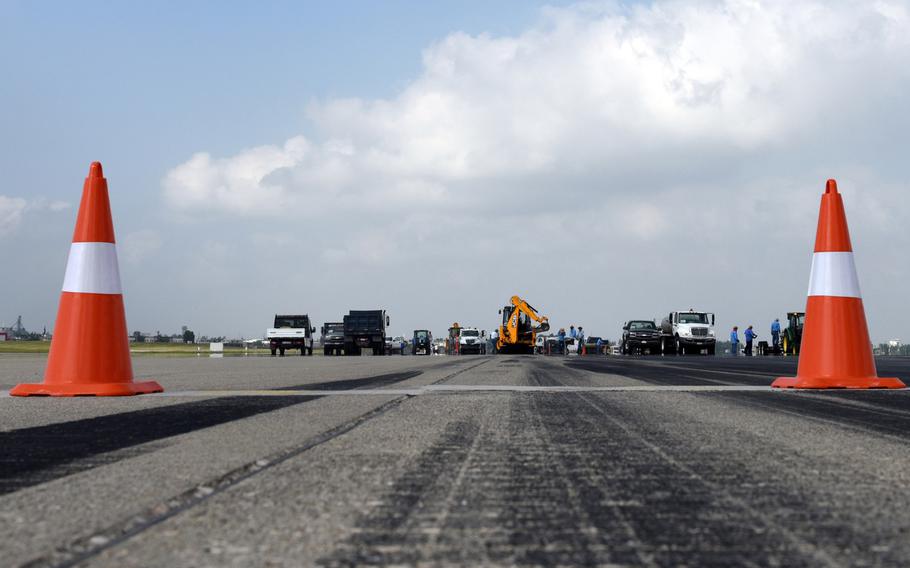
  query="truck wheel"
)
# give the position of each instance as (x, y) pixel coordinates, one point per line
(309, 351)
(274, 351)
(302, 351)
(281, 351)
(711, 350)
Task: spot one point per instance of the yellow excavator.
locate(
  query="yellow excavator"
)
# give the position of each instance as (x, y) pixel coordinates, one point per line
(518, 333)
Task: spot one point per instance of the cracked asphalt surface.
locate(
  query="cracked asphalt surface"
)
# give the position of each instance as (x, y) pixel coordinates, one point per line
(369, 461)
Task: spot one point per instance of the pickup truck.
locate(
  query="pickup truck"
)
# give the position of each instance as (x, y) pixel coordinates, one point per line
(333, 338)
(642, 336)
(291, 332)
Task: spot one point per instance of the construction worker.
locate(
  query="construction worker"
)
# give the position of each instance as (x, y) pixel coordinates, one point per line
(734, 341)
(581, 341)
(749, 335)
(775, 334)
(600, 346)
(494, 338)
(562, 339)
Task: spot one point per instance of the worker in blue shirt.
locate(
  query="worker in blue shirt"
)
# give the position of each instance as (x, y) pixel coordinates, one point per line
(734, 341)
(775, 334)
(749, 335)
(581, 340)
(562, 339)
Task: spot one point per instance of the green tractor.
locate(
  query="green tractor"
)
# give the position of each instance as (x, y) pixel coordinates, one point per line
(793, 335)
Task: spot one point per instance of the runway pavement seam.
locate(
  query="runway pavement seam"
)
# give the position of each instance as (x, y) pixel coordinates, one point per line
(800, 543)
(85, 548)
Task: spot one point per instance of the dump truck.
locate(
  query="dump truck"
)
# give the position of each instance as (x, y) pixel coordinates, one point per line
(291, 332)
(518, 332)
(792, 337)
(365, 329)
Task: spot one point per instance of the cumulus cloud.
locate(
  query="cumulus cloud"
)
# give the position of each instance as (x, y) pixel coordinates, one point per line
(675, 126)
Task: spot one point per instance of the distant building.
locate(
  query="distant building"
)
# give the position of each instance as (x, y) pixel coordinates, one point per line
(4, 335)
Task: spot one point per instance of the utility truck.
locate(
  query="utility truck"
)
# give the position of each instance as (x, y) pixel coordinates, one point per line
(472, 340)
(291, 332)
(687, 332)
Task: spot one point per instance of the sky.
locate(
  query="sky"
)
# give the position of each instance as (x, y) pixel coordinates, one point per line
(604, 160)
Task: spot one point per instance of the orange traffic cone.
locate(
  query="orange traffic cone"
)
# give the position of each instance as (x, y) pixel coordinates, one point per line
(90, 352)
(835, 352)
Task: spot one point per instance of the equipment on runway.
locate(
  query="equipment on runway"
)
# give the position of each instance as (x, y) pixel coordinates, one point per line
(422, 343)
(792, 337)
(836, 351)
(517, 334)
(452, 340)
(90, 350)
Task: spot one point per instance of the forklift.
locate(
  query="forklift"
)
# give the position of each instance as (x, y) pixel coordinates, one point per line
(792, 337)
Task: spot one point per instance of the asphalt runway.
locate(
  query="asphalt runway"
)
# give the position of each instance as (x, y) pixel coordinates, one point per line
(486, 460)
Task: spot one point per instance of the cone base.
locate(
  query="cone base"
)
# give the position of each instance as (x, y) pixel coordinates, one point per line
(86, 389)
(835, 383)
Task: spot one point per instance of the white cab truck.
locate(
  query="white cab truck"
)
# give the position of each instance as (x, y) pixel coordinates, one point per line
(291, 332)
(472, 340)
(688, 332)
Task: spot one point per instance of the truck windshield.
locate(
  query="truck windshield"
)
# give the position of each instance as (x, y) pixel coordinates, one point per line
(639, 325)
(470, 333)
(690, 317)
(291, 322)
(334, 328)
(421, 335)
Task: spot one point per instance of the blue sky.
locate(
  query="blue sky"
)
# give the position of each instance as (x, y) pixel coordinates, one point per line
(288, 156)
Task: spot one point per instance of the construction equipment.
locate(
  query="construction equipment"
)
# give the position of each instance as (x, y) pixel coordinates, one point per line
(517, 334)
(452, 340)
(792, 337)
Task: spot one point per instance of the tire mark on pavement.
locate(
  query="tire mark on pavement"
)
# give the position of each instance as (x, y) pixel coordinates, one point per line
(391, 533)
(837, 409)
(680, 515)
(84, 548)
(40, 454)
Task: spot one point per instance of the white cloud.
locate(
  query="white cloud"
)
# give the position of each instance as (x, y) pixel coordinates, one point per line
(684, 127)
(11, 209)
(139, 245)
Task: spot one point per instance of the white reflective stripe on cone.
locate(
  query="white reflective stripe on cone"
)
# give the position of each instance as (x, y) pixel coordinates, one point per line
(834, 274)
(92, 268)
